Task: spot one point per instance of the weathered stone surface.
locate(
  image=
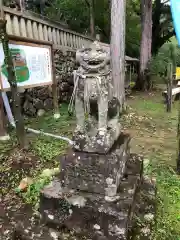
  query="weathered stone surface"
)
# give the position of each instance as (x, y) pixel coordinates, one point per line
(38, 104)
(48, 104)
(98, 173)
(100, 142)
(70, 214)
(40, 112)
(92, 214)
(97, 110)
(134, 163)
(29, 109)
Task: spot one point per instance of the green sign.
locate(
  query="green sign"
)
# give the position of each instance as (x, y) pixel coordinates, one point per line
(20, 64)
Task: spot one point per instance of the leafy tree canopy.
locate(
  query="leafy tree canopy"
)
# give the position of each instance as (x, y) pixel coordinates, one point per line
(77, 14)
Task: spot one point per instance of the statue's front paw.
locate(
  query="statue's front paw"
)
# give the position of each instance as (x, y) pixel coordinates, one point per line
(101, 136)
(102, 132)
(79, 129)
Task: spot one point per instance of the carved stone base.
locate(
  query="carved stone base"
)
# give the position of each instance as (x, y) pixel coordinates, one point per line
(75, 215)
(97, 173)
(92, 215)
(101, 143)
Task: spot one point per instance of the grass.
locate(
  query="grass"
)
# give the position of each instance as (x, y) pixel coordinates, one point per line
(42, 154)
(168, 214)
(47, 148)
(153, 133)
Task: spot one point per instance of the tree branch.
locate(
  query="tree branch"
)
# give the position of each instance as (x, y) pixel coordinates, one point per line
(166, 2)
(161, 40)
(87, 2)
(137, 11)
(168, 36)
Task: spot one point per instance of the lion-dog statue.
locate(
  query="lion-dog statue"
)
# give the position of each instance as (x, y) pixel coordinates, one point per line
(97, 111)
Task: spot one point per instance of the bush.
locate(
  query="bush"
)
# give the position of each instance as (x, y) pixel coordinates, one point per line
(168, 52)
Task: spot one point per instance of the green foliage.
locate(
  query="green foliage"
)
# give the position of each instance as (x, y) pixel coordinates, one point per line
(168, 211)
(17, 165)
(169, 52)
(5, 147)
(76, 14)
(48, 148)
(155, 134)
(31, 196)
(168, 199)
(133, 28)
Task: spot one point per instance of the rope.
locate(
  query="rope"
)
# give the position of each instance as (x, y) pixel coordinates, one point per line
(71, 103)
(87, 88)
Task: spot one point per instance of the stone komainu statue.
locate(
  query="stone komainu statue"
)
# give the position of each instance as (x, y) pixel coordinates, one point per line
(97, 112)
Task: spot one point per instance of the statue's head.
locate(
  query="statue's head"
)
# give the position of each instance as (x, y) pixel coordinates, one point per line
(93, 57)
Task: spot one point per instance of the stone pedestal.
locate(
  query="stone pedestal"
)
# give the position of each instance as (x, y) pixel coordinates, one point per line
(96, 173)
(76, 215)
(91, 214)
(97, 143)
(94, 195)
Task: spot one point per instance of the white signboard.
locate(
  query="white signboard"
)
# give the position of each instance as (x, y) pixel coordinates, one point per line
(33, 65)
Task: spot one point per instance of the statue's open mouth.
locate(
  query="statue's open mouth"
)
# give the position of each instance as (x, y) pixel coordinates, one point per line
(94, 62)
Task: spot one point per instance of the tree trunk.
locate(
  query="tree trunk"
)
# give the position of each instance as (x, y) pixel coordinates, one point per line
(3, 132)
(90, 4)
(118, 13)
(20, 130)
(92, 19)
(169, 86)
(146, 42)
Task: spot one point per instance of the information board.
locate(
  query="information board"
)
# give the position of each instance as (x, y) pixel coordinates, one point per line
(177, 73)
(32, 62)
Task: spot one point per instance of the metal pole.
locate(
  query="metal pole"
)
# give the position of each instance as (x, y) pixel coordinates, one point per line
(3, 133)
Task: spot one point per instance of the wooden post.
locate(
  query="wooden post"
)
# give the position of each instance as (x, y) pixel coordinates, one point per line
(130, 76)
(20, 130)
(169, 86)
(54, 88)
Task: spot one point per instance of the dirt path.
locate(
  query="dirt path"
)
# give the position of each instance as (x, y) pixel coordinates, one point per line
(151, 128)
